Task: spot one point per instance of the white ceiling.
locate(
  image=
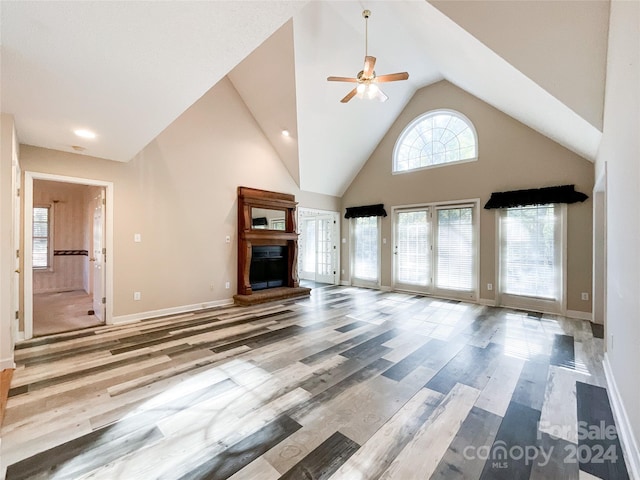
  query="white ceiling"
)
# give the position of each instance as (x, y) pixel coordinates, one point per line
(128, 69)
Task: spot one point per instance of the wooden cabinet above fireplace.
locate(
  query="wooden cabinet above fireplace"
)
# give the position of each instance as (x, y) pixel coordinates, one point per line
(266, 219)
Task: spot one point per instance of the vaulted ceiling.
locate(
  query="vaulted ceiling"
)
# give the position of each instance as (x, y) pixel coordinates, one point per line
(127, 69)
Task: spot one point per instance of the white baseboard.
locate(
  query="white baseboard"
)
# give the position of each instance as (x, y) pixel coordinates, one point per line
(345, 283)
(7, 363)
(488, 302)
(134, 317)
(579, 315)
(623, 424)
(385, 288)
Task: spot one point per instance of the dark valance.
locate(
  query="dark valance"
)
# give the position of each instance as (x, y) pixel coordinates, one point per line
(535, 196)
(259, 222)
(366, 211)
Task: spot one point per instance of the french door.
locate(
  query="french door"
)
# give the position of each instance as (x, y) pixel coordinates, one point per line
(318, 248)
(435, 250)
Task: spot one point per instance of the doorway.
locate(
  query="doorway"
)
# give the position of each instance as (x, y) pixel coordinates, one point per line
(67, 231)
(318, 246)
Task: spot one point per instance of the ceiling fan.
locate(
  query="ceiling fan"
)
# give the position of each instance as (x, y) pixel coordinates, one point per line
(367, 79)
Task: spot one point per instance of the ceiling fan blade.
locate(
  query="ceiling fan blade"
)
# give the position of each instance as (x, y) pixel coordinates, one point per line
(342, 79)
(392, 77)
(369, 63)
(349, 95)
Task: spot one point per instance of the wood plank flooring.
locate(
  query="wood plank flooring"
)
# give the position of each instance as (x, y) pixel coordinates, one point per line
(346, 384)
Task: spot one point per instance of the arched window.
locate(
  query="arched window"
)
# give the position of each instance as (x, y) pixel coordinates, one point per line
(435, 138)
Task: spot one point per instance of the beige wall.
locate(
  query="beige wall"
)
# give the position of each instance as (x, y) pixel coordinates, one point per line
(69, 225)
(511, 156)
(620, 151)
(8, 155)
(179, 193)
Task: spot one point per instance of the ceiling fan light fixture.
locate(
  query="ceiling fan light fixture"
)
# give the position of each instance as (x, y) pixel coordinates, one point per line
(370, 91)
(367, 79)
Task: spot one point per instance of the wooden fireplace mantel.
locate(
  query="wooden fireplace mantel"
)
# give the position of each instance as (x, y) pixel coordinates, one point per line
(249, 198)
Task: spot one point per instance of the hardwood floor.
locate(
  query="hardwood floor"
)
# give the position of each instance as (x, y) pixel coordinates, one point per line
(347, 384)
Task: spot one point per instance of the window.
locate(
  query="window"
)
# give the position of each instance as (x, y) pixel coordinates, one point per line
(455, 249)
(530, 255)
(435, 249)
(365, 249)
(41, 243)
(435, 138)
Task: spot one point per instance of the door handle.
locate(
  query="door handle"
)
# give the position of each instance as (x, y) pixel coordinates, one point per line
(17, 270)
(92, 259)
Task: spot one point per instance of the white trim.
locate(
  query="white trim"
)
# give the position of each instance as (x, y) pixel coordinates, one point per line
(135, 317)
(385, 288)
(487, 302)
(623, 423)
(29, 177)
(579, 315)
(7, 363)
(345, 283)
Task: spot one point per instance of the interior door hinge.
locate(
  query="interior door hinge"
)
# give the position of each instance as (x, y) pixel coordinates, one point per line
(18, 253)
(104, 300)
(17, 192)
(104, 251)
(104, 201)
(17, 315)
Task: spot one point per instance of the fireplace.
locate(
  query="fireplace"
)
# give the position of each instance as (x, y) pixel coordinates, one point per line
(268, 267)
(267, 247)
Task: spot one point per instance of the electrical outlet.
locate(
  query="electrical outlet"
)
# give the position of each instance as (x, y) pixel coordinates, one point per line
(344, 240)
(227, 239)
(584, 296)
(343, 271)
(489, 286)
(384, 241)
(212, 286)
(136, 295)
(227, 285)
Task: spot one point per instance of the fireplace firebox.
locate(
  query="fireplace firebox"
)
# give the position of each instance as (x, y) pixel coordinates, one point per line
(268, 267)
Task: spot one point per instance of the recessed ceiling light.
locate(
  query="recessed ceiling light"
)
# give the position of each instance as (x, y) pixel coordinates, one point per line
(84, 133)
(285, 133)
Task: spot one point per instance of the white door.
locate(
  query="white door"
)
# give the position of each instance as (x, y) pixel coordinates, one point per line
(412, 250)
(318, 243)
(325, 249)
(16, 246)
(98, 257)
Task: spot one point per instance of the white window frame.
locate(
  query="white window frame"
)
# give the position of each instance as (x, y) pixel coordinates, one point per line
(558, 306)
(360, 282)
(50, 246)
(416, 121)
(431, 288)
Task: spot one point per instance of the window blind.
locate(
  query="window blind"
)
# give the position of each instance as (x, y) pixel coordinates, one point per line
(529, 252)
(455, 249)
(40, 254)
(412, 248)
(365, 264)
